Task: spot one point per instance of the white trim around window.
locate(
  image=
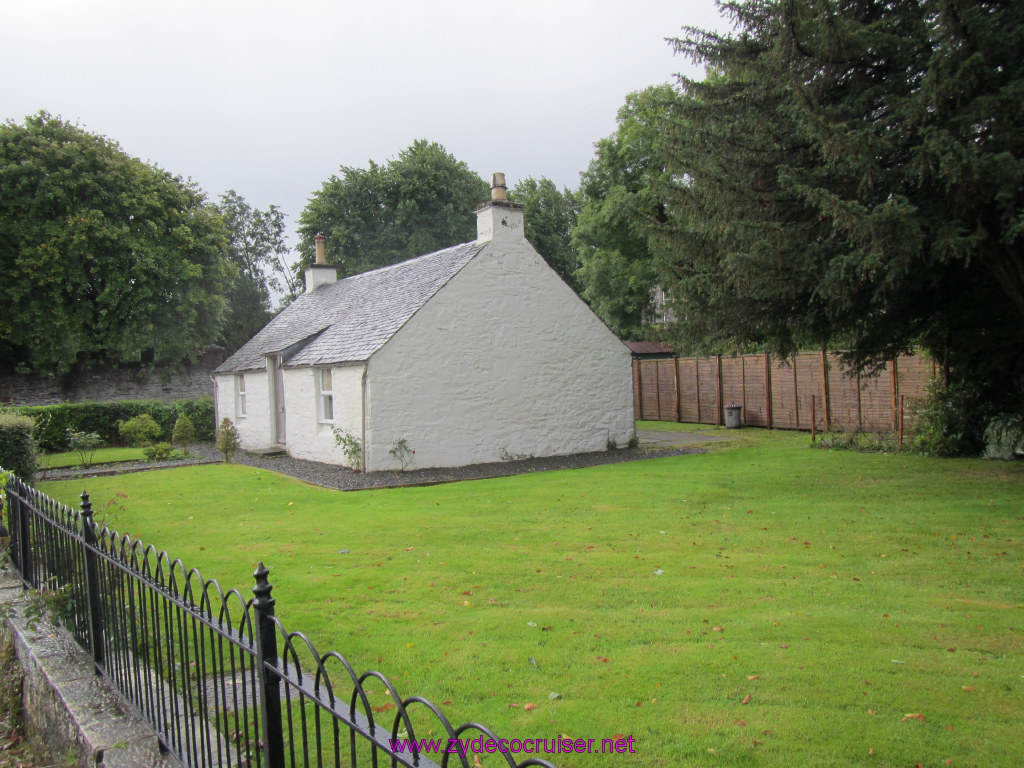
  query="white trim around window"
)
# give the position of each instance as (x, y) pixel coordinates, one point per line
(325, 395)
(240, 396)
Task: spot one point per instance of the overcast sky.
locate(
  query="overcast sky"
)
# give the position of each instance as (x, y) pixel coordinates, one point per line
(271, 98)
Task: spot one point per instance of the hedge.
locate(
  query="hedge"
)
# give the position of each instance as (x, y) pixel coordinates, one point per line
(54, 421)
(17, 448)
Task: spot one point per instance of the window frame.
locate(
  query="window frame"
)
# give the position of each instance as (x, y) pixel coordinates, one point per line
(240, 396)
(324, 396)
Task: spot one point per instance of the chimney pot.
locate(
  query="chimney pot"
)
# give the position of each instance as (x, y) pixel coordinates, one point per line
(321, 253)
(498, 189)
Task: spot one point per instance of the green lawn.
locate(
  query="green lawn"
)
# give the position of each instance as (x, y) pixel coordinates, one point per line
(762, 605)
(100, 456)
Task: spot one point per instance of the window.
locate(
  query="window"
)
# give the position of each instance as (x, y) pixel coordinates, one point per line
(325, 388)
(240, 394)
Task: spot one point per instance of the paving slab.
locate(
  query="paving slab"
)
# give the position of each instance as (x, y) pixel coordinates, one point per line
(650, 438)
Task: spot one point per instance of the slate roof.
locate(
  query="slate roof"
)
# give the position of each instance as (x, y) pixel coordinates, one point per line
(349, 320)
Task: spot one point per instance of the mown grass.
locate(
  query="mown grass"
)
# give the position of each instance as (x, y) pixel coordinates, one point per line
(761, 605)
(101, 456)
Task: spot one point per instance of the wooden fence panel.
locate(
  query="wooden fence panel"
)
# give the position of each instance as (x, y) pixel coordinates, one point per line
(688, 410)
(707, 377)
(732, 381)
(876, 401)
(783, 395)
(779, 393)
(755, 405)
(666, 390)
(809, 385)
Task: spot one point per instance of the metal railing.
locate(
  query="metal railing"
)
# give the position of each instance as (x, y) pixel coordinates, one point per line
(217, 676)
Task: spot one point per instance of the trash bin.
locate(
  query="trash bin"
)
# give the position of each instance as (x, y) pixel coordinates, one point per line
(733, 416)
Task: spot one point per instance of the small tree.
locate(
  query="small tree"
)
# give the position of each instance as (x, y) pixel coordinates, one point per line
(184, 433)
(350, 446)
(84, 444)
(401, 452)
(228, 439)
(140, 430)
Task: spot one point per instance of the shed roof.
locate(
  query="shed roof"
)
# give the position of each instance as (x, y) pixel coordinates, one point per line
(349, 320)
(649, 348)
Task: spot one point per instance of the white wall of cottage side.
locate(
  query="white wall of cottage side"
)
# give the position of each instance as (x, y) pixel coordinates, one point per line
(505, 360)
(253, 428)
(307, 437)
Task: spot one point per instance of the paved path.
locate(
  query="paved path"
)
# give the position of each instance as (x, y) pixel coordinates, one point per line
(650, 438)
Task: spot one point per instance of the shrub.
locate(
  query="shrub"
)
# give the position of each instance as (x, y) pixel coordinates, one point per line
(401, 452)
(951, 421)
(1004, 437)
(85, 445)
(17, 447)
(140, 430)
(54, 421)
(158, 451)
(228, 440)
(184, 433)
(350, 446)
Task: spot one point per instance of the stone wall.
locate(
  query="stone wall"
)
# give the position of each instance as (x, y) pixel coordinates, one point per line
(164, 383)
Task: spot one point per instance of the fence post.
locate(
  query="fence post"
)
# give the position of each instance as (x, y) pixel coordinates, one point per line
(92, 582)
(640, 388)
(19, 515)
(268, 685)
(825, 395)
(721, 409)
(675, 386)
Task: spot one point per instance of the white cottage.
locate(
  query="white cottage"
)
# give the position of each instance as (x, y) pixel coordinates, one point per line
(472, 354)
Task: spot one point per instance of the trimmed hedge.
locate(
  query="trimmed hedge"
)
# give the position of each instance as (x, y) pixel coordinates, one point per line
(54, 421)
(17, 448)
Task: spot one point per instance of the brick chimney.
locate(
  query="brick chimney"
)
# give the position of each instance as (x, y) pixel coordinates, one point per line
(499, 220)
(320, 273)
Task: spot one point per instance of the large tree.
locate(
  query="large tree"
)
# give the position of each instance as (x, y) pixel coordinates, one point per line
(853, 173)
(104, 258)
(550, 216)
(619, 195)
(421, 201)
(257, 248)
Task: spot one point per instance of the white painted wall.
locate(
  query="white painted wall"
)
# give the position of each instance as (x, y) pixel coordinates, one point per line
(254, 427)
(505, 360)
(307, 437)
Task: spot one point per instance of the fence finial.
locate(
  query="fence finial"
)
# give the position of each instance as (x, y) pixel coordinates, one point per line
(86, 505)
(263, 586)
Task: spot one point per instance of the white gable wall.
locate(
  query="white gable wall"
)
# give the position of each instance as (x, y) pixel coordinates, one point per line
(307, 437)
(481, 374)
(253, 428)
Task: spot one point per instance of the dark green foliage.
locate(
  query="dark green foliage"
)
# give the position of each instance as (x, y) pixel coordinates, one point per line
(619, 198)
(158, 451)
(228, 439)
(1004, 437)
(139, 430)
(17, 447)
(54, 421)
(852, 174)
(419, 202)
(952, 421)
(184, 433)
(550, 216)
(104, 258)
(257, 248)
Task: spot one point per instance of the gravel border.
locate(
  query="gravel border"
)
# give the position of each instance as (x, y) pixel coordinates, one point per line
(344, 479)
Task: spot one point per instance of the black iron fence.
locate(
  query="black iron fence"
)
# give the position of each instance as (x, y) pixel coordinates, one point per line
(216, 675)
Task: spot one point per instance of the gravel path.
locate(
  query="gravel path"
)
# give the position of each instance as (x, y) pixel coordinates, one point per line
(345, 479)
